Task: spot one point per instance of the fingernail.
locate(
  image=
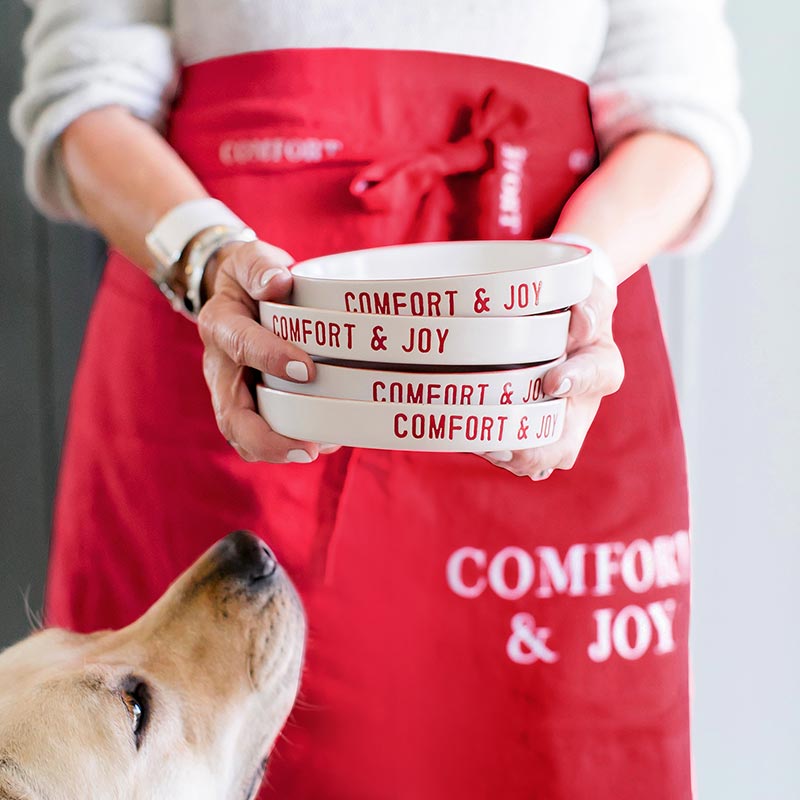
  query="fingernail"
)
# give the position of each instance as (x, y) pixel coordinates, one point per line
(563, 387)
(298, 457)
(269, 275)
(328, 448)
(501, 455)
(591, 315)
(297, 371)
(540, 476)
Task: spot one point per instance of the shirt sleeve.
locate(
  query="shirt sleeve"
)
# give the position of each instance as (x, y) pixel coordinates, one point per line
(82, 55)
(670, 65)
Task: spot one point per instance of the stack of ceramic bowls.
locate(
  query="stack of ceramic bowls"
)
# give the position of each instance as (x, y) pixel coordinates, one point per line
(438, 346)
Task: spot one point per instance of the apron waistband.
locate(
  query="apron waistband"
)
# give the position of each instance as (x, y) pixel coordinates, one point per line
(405, 121)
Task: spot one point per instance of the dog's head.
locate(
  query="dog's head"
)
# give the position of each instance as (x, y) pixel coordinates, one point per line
(184, 703)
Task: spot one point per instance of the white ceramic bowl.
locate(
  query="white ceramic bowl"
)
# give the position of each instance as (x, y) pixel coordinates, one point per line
(403, 426)
(495, 387)
(448, 279)
(457, 341)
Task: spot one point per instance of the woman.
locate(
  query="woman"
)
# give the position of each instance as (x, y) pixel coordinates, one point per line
(473, 634)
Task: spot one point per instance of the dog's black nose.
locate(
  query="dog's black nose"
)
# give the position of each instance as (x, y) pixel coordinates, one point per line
(243, 555)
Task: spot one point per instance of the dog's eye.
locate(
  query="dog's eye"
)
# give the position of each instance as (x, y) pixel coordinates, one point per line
(135, 710)
(136, 697)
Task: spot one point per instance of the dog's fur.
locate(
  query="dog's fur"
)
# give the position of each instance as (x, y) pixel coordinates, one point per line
(215, 665)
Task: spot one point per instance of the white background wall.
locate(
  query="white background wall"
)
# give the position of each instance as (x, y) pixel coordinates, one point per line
(733, 325)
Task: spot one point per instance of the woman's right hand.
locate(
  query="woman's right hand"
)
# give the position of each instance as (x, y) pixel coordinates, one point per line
(236, 344)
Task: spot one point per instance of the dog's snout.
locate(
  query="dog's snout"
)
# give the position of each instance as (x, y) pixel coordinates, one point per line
(244, 556)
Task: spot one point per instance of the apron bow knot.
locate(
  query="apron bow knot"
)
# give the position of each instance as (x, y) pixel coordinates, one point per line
(405, 180)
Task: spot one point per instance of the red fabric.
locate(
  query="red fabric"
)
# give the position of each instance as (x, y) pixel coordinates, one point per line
(472, 634)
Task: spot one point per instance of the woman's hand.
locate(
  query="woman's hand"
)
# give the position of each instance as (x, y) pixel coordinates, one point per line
(593, 368)
(237, 344)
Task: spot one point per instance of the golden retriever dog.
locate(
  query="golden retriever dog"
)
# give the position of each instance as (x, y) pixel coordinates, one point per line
(184, 704)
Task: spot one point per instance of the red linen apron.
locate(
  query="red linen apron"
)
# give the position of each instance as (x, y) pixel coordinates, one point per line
(472, 634)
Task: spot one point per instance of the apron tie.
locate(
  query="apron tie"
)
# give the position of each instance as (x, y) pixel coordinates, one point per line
(414, 183)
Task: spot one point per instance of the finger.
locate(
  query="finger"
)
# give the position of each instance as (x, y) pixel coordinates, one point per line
(521, 463)
(326, 449)
(504, 459)
(591, 316)
(260, 443)
(261, 269)
(564, 453)
(538, 463)
(596, 369)
(239, 422)
(542, 476)
(225, 323)
(525, 463)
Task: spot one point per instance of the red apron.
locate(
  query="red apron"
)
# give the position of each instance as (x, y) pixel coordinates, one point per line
(472, 634)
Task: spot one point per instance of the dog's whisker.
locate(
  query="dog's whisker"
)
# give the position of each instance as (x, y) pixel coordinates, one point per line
(306, 705)
(282, 735)
(35, 618)
(277, 753)
(266, 782)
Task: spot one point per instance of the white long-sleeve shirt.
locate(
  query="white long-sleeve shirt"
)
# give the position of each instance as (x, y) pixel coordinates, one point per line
(651, 64)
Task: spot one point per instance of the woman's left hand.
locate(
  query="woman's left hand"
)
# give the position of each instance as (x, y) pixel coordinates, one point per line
(593, 369)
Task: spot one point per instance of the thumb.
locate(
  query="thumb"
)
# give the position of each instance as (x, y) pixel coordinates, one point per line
(261, 269)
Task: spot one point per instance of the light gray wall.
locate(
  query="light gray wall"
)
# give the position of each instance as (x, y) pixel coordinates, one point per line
(731, 317)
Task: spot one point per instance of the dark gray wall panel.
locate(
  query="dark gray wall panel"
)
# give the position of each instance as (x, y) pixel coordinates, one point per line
(48, 274)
